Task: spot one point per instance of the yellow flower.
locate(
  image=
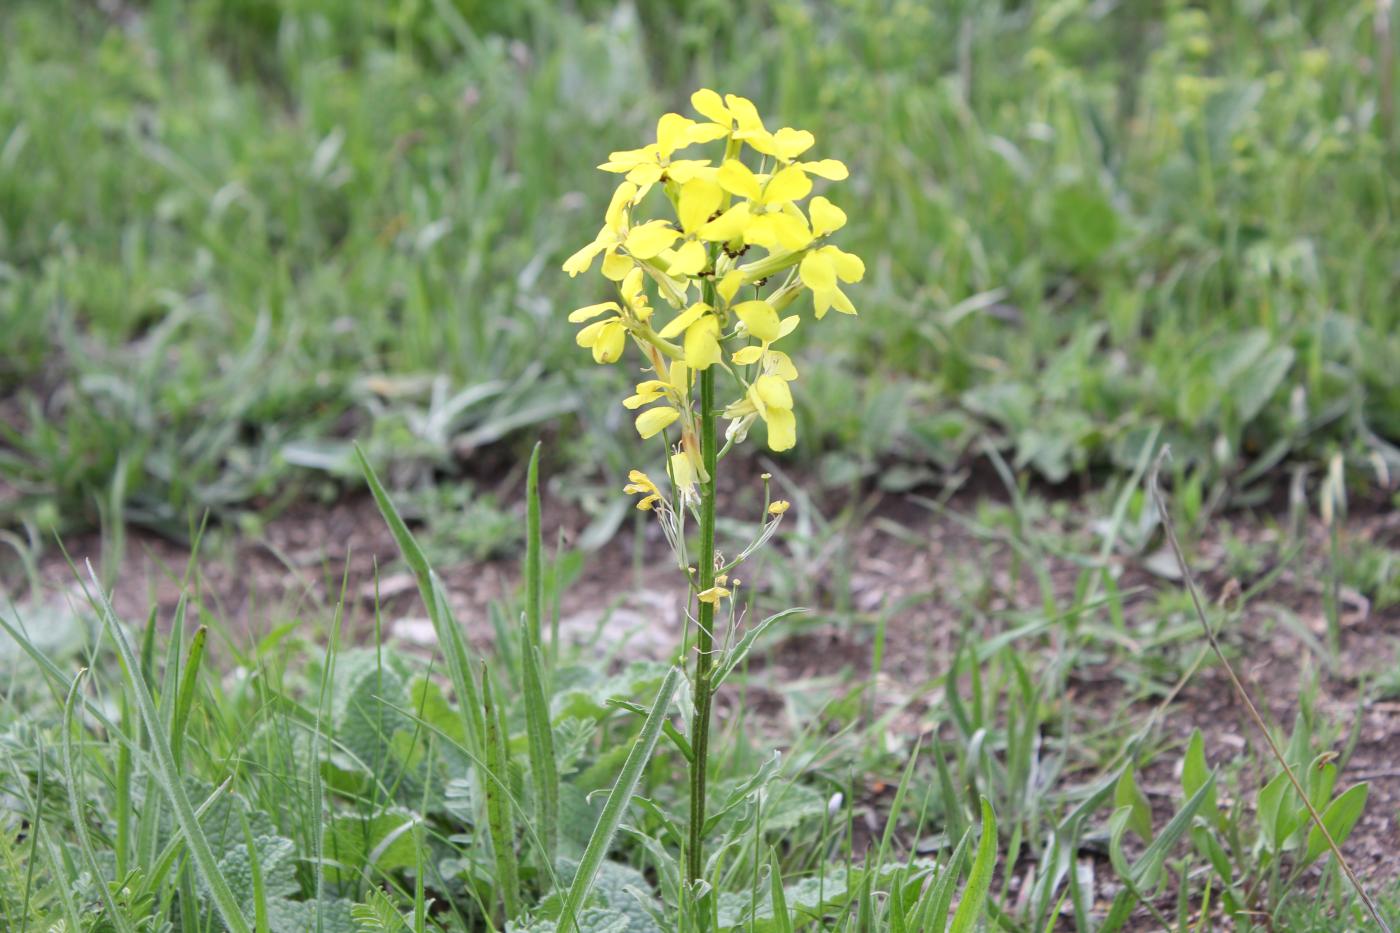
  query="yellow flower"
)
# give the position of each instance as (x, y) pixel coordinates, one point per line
(768, 397)
(759, 319)
(652, 163)
(611, 236)
(701, 329)
(699, 198)
(655, 420)
(820, 271)
(641, 485)
(779, 507)
(683, 472)
(722, 208)
(741, 116)
(768, 218)
(608, 337)
(713, 595)
(826, 217)
(674, 390)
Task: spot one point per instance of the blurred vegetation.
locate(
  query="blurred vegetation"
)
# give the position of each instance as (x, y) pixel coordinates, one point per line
(237, 234)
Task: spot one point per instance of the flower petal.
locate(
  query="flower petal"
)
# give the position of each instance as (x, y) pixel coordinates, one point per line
(848, 265)
(782, 429)
(655, 420)
(683, 320)
(830, 169)
(732, 223)
(612, 340)
(729, 286)
(790, 143)
(790, 184)
(702, 348)
(583, 258)
(709, 104)
(650, 238)
(671, 132)
(589, 312)
(760, 319)
(621, 200)
(737, 178)
(698, 200)
(826, 217)
(774, 392)
(817, 271)
(690, 259)
(748, 355)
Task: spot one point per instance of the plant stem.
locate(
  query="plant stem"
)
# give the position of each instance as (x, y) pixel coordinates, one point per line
(704, 640)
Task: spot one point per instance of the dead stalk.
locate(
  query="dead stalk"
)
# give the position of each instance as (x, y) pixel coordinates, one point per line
(1238, 685)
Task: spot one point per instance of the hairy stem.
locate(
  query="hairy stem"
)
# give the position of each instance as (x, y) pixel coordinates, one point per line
(704, 639)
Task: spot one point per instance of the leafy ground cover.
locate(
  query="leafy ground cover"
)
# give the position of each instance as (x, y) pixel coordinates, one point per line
(1016, 648)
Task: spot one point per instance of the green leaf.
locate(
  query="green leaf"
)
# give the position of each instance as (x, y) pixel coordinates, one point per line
(498, 813)
(735, 656)
(382, 842)
(539, 733)
(618, 799)
(1082, 222)
(189, 680)
(167, 773)
(446, 627)
(1126, 793)
(1195, 774)
(1340, 818)
(979, 880)
(781, 915)
(534, 578)
(933, 912)
(1147, 870)
(1275, 812)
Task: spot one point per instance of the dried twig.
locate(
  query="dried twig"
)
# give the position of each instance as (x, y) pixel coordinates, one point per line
(1190, 583)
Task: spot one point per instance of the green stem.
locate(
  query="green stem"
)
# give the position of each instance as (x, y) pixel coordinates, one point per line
(704, 640)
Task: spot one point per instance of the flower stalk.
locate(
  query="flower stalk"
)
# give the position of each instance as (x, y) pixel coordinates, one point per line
(704, 634)
(732, 227)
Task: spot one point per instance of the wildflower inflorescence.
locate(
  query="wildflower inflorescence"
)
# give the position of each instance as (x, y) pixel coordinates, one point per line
(735, 254)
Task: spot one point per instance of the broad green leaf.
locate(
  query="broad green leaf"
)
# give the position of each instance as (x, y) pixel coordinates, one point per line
(1340, 818)
(1126, 793)
(1275, 810)
(1195, 774)
(1082, 222)
(354, 844)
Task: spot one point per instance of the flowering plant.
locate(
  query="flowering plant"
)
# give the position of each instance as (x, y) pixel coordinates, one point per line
(729, 261)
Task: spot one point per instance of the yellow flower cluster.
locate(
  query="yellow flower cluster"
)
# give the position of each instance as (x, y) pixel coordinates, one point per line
(735, 253)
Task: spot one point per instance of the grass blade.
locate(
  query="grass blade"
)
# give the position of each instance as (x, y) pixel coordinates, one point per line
(534, 578)
(618, 799)
(497, 806)
(544, 771)
(168, 774)
(979, 880)
(80, 828)
(449, 633)
(189, 680)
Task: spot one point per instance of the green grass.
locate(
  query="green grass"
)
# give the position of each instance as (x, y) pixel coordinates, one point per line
(156, 774)
(236, 234)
